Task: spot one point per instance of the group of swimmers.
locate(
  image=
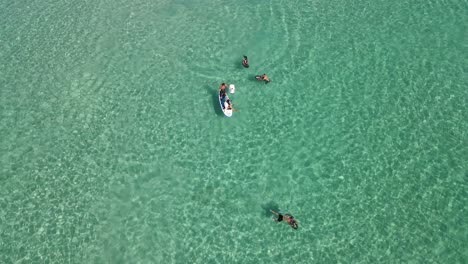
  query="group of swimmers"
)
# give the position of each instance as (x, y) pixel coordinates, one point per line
(222, 87)
(264, 77)
(223, 97)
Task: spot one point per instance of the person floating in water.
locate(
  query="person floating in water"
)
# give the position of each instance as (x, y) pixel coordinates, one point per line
(288, 218)
(245, 62)
(265, 78)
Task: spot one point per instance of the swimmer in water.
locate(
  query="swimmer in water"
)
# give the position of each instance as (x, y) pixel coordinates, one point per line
(245, 62)
(288, 218)
(265, 78)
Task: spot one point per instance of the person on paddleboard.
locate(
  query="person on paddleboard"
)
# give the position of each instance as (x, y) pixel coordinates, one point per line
(222, 87)
(288, 218)
(231, 106)
(222, 97)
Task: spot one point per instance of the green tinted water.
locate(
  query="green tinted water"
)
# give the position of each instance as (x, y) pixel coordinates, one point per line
(113, 148)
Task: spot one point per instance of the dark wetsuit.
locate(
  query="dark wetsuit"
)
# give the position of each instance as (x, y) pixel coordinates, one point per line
(222, 98)
(280, 218)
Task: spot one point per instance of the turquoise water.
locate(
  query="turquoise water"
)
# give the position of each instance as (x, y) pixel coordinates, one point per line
(113, 148)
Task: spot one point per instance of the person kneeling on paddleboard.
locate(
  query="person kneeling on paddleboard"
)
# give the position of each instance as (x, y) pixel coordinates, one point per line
(231, 106)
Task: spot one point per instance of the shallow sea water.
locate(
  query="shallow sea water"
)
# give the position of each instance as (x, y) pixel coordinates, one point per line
(113, 148)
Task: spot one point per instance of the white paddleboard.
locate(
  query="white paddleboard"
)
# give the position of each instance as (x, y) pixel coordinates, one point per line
(227, 112)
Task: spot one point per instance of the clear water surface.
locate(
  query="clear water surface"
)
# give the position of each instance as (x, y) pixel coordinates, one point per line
(113, 148)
